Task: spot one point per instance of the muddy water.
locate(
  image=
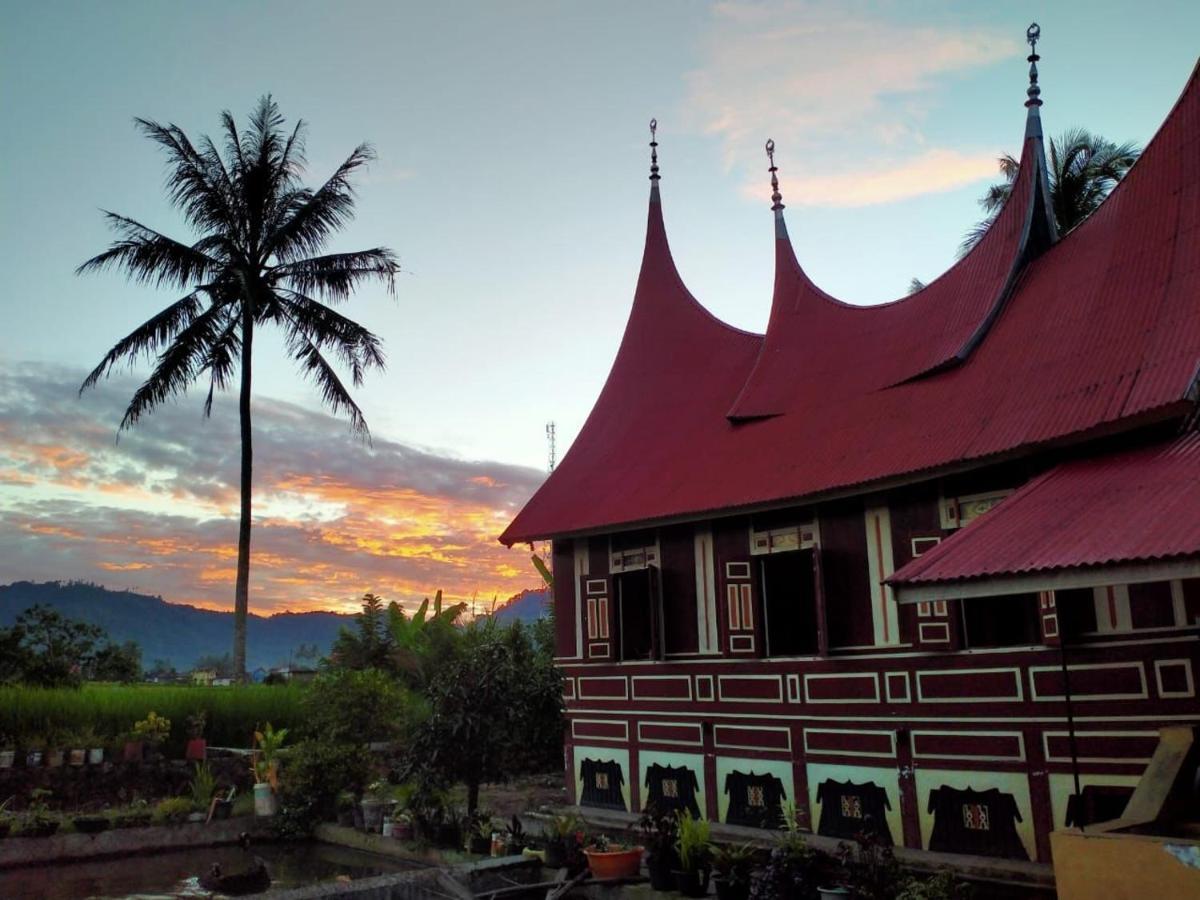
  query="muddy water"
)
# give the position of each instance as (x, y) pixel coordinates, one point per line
(175, 873)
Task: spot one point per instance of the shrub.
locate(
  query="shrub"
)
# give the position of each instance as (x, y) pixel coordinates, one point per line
(173, 810)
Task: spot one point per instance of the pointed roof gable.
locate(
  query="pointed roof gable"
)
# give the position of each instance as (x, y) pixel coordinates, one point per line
(1098, 334)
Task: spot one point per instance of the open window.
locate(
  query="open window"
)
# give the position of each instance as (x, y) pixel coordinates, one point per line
(639, 614)
(789, 602)
(1012, 620)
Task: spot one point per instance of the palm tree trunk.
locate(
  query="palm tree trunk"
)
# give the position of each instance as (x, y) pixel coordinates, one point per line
(241, 603)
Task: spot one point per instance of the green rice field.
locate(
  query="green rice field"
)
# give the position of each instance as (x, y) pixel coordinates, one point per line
(111, 710)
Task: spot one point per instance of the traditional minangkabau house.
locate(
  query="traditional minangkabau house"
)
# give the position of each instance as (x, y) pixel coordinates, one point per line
(842, 564)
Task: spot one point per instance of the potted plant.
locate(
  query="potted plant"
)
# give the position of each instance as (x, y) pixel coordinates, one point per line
(610, 859)
(264, 763)
(35, 746)
(197, 746)
(659, 833)
(77, 742)
(95, 746)
(151, 731)
(8, 751)
(792, 867)
(515, 840)
(345, 809)
(38, 821)
(732, 866)
(479, 833)
(402, 827)
(54, 748)
(561, 839)
(695, 855)
(5, 819)
(371, 806)
(449, 831)
(203, 787)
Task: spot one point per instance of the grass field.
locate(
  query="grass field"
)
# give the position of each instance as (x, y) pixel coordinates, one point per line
(232, 712)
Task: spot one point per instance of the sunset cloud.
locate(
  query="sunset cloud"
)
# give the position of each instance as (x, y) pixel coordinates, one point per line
(843, 94)
(157, 511)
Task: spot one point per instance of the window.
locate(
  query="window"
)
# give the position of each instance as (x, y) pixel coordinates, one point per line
(789, 603)
(639, 614)
(1076, 612)
(1151, 605)
(1008, 621)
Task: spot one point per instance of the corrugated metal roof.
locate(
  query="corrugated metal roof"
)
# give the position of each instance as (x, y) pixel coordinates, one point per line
(1102, 331)
(1138, 506)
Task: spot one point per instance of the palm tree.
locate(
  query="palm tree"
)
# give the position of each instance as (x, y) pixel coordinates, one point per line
(257, 261)
(1083, 169)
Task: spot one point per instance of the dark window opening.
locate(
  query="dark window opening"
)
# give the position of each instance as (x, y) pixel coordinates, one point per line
(789, 603)
(1151, 605)
(1076, 612)
(1007, 621)
(639, 615)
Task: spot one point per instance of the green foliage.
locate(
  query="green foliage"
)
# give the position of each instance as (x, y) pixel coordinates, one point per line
(317, 773)
(121, 663)
(494, 707)
(221, 665)
(111, 710)
(173, 810)
(870, 868)
(153, 729)
(203, 785)
(942, 886)
(734, 862)
(693, 844)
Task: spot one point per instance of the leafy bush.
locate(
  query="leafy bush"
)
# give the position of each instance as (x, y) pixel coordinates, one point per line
(693, 844)
(204, 784)
(173, 810)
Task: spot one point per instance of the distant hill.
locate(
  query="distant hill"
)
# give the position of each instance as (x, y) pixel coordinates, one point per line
(527, 606)
(171, 631)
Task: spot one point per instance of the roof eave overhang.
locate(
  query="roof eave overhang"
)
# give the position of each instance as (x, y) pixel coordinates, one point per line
(1135, 572)
(1156, 416)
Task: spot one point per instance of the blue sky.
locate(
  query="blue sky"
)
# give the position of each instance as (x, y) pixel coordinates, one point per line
(511, 177)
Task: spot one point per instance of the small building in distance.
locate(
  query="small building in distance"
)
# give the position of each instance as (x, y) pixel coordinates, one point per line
(843, 563)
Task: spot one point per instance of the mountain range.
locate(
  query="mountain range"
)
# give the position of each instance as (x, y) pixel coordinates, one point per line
(182, 634)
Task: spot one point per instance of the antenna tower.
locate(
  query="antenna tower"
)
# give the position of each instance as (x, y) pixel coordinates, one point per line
(550, 441)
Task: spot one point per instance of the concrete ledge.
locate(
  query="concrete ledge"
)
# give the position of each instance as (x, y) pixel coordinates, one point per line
(37, 851)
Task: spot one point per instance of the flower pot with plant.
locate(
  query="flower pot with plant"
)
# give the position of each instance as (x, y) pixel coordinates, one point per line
(372, 806)
(609, 859)
(345, 809)
(5, 819)
(732, 866)
(264, 763)
(515, 839)
(38, 821)
(695, 855)
(197, 746)
(563, 840)
(479, 833)
(8, 751)
(76, 744)
(659, 833)
(152, 732)
(402, 826)
(35, 747)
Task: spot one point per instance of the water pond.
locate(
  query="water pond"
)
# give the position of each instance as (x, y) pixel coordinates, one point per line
(174, 873)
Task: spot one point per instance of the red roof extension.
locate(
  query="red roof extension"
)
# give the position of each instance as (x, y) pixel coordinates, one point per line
(1137, 506)
(1005, 352)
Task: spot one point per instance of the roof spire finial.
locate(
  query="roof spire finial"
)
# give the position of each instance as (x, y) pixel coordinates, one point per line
(776, 197)
(1032, 33)
(653, 151)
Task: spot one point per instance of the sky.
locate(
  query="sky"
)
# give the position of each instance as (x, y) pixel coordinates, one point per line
(511, 182)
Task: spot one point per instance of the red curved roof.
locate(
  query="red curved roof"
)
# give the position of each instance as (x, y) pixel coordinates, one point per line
(1099, 333)
(1133, 507)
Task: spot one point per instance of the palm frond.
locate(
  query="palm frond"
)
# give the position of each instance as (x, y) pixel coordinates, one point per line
(358, 348)
(221, 360)
(149, 336)
(975, 235)
(192, 184)
(148, 256)
(313, 216)
(335, 276)
(333, 393)
(178, 365)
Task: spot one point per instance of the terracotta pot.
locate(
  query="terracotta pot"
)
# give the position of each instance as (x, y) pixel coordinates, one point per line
(625, 863)
(196, 750)
(134, 751)
(402, 831)
(54, 759)
(77, 757)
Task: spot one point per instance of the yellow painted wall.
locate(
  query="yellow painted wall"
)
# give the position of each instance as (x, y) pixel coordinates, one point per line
(1124, 867)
